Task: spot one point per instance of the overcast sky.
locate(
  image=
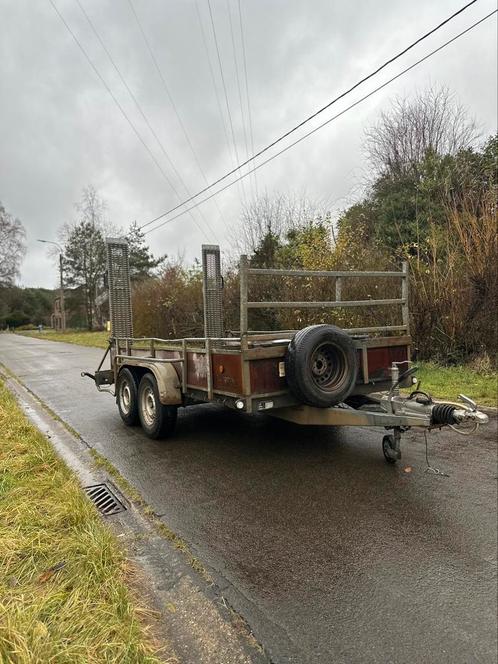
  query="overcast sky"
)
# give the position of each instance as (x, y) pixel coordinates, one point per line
(61, 130)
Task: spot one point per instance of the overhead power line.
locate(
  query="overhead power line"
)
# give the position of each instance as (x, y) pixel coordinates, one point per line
(213, 78)
(335, 117)
(229, 112)
(140, 110)
(249, 112)
(314, 115)
(116, 101)
(179, 176)
(170, 99)
(239, 89)
(175, 108)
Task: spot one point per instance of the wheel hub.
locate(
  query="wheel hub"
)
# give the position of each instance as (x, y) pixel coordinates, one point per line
(148, 406)
(324, 365)
(320, 364)
(125, 397)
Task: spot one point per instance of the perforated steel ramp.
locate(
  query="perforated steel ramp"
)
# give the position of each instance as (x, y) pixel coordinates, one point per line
(212, 289)
(118, 272)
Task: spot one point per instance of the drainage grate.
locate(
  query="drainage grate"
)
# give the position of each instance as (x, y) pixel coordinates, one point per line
(104, 500)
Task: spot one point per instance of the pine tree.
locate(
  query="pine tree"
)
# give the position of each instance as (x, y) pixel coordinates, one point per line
(142, 261)
(84, 263)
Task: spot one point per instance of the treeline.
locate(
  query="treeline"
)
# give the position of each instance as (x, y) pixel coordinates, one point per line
(440, 216)
(25, 306)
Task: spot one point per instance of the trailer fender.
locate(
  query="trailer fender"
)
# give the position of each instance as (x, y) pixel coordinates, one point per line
(168, 383)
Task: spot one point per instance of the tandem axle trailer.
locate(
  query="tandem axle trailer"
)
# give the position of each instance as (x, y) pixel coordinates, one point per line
(319, 375)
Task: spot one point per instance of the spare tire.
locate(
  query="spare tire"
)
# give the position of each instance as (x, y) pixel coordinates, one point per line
(321, 365)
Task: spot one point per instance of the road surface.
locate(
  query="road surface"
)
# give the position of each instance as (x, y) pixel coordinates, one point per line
(330, 554)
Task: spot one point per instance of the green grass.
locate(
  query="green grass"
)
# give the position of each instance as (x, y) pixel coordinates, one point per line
(449, 382)
(81, 337)
(63, 577)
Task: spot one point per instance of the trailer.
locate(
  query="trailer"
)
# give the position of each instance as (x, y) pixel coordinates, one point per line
(318, 375)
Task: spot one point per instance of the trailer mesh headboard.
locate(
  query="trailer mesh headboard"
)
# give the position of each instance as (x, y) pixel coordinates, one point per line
(212, 290)
(118, 274)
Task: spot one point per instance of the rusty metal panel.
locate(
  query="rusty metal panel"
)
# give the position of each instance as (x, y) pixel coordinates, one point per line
(212, 289)
(381, 359)
(118, 274)
(227, 373)
(266, 376)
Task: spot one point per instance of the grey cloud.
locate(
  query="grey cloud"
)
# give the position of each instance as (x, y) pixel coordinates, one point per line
(60, 130)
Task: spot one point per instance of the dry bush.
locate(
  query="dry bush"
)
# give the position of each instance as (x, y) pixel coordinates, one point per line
(454, 285)
(169, 306)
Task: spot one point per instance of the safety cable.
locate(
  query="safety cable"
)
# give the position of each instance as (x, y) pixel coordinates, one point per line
(431, 469)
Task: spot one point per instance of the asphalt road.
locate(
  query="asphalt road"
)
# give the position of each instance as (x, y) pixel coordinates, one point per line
(329, 553)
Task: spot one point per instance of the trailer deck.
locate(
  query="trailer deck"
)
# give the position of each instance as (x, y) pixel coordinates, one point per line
(229, 369)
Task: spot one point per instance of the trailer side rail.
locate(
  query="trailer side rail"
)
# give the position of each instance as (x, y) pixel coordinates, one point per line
(246, 304)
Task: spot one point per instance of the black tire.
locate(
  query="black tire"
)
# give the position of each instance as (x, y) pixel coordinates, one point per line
(127, 397)
(157, 420)
(321, 365)
(389, 450)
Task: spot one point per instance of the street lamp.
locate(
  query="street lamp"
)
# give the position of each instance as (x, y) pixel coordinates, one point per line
(63, 310)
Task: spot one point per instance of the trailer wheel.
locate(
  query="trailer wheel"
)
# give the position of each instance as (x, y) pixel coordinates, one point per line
(157, 420)
(389, 450)
(321, 365)
(127, 397)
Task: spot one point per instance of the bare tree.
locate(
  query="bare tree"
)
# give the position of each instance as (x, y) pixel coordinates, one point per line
(92, 208)
(12, 246)
(266, 220)
(432, 121)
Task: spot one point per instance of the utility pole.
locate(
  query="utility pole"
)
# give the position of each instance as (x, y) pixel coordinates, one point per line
(61, 270)
(63, 307)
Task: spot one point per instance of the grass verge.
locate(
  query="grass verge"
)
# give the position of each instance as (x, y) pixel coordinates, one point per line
(449, 382)
(81, 337)
(63, 592)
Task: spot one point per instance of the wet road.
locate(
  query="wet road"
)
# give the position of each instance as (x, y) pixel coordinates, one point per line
(329, 553)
